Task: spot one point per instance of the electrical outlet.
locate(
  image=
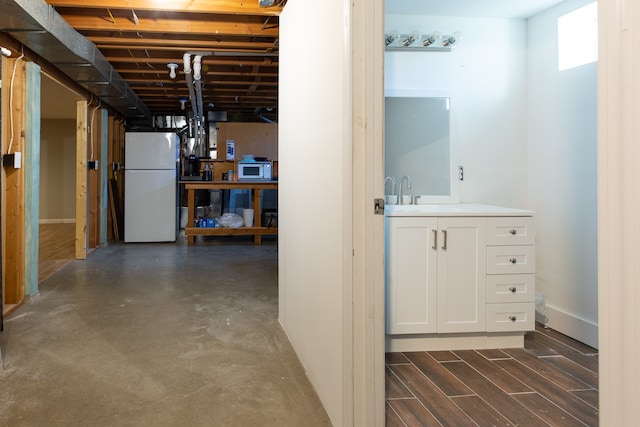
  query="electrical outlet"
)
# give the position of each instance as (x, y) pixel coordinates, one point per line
(460, 173)
(93, 165)
(13, 160)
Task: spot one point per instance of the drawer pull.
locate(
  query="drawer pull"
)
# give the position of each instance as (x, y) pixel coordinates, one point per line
(513, 289)
(435, 240)
(513, 318)
(513, 232)
(513, 260)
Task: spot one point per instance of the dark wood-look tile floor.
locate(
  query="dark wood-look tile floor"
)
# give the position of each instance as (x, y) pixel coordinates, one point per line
(553, 381)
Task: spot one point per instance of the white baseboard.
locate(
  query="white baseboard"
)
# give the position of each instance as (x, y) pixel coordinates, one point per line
(462, 341)
(58, 221)
(579, 329)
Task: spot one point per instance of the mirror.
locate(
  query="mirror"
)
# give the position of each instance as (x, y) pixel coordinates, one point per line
(418, 144)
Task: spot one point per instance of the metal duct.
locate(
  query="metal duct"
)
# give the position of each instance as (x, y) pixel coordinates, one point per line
(40, 28)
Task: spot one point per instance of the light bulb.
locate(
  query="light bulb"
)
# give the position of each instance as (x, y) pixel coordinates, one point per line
(432, 38)
(452, 39)
(390, 38)
(172, 69)
(415, 36)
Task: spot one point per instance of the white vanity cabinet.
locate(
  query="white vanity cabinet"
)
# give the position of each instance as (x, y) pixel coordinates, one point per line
(510, 274)
(436, 275)
(411, 275)
(461, 299)
(458, 276)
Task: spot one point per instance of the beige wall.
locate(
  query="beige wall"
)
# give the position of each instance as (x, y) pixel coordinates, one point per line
(57, 170)
(314, 198)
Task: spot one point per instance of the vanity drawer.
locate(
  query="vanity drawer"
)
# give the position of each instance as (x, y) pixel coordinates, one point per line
(510, 288)
(510, 317)
(511, 259)
(510, 231)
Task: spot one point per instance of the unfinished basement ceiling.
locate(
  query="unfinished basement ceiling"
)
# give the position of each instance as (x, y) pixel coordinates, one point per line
(238, 40)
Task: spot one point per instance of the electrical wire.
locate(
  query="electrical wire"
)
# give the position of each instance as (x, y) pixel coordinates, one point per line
(13, 75)
(91, 128)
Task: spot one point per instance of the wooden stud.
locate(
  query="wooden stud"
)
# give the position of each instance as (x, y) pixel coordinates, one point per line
(108, 168)
(81, 180)
(13, 183)
(103, 177)
(93, 179)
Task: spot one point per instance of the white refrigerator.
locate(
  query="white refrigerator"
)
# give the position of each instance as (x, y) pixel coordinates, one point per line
(150, 187)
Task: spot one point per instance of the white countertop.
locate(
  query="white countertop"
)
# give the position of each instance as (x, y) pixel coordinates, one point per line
(459, 209)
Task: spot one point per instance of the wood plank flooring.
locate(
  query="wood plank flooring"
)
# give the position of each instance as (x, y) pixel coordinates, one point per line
(553, 381)
(57, 248)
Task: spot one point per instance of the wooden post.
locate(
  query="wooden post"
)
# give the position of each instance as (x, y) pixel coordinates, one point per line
(81, 180)
(93, 177)
(13, 214)
(103, 178)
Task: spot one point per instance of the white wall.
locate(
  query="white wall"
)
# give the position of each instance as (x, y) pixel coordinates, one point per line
(562, 127)
(314, 193)
(486, 77)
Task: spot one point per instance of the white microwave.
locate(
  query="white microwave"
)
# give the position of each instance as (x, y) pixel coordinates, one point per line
(256, 171)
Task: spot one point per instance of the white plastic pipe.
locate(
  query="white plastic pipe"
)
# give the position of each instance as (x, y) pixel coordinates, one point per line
(186, 58)
(197, 67)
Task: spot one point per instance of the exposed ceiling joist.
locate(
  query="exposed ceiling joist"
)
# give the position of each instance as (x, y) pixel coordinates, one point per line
(238, 41)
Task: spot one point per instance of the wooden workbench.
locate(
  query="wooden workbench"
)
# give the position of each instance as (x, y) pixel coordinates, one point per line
(256, 187)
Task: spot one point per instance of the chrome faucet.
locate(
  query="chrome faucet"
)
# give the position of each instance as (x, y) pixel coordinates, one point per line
(404, 178)
(392, 179)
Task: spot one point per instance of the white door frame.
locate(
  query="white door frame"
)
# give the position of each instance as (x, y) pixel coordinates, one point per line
(367, 127)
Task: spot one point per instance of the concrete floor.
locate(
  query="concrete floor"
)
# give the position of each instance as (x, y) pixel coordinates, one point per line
(157, 334)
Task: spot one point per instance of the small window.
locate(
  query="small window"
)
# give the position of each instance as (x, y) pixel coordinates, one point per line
(578, 37)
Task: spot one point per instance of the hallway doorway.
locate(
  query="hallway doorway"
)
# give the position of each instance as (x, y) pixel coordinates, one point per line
(57, 177)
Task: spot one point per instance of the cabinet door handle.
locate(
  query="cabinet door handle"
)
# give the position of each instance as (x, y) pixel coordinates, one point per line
(513, 232)
(435, 240)
(512, 318)
(513, 289)
(513, 260)
(444, 242)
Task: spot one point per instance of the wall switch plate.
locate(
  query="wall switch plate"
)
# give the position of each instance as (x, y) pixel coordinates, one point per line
(13, 160)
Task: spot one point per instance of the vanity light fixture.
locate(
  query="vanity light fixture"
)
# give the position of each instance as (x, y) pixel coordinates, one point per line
(417, 42)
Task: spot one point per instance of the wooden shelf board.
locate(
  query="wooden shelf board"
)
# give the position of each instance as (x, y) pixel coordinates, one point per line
(222, 231)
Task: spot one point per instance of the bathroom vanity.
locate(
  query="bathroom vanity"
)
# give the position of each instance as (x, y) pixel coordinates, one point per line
(458, 276)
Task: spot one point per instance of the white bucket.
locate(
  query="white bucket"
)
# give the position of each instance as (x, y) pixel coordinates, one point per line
(247, 215)
(184, 215)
